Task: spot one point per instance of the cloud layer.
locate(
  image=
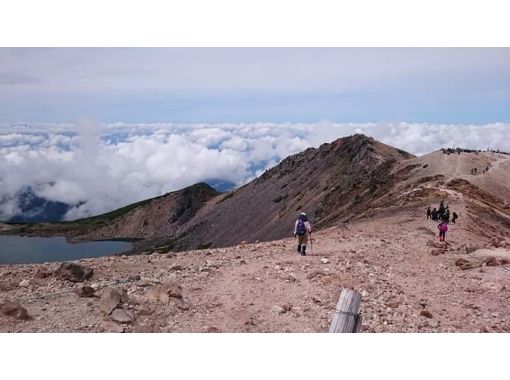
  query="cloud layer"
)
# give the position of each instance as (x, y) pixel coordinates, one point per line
(98, 168)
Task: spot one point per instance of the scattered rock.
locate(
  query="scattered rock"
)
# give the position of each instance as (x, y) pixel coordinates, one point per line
(74, 272)
(123, 295)
(466, 264)
(494, 262)
(110, 299)
(460, 262)
(42, 273)
(109, 326)
(470, 248)
(426, 313)
(143, 283)
(85, 291)
(25, 283)
(325, 260)
(14, 310)
(165, 292)
(314, 274)
(242, 261)
(175, 268)
(144, 329)
(278, 309)
(495, 242)
(469, 265)
(289, 277)
(212, 329)
(122, 316)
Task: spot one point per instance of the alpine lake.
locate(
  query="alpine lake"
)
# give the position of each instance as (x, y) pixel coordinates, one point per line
(27, 249)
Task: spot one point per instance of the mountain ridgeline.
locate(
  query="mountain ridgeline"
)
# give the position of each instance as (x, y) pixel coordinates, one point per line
(330, 183)
(348, 179)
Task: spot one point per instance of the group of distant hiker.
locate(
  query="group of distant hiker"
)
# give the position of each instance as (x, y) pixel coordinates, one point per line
(474, 171)
(443, 216)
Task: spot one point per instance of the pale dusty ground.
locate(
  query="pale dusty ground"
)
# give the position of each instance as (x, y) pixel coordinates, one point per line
(388, 260)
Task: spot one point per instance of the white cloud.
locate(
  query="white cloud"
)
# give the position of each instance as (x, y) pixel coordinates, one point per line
(73, 164)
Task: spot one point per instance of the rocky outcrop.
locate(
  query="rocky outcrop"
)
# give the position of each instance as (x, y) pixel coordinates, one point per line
(74, 272)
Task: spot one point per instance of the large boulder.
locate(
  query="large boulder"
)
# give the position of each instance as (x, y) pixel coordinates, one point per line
(74, 272)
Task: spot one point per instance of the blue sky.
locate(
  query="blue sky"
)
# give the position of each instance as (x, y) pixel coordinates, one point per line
(252, 85)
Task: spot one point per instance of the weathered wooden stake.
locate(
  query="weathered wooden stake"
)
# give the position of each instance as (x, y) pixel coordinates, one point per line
(346, 318)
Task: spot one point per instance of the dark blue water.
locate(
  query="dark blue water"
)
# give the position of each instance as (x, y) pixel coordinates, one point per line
(23, 249)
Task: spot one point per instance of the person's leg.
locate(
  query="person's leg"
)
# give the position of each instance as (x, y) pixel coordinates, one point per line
(303, 245)
(300, 241)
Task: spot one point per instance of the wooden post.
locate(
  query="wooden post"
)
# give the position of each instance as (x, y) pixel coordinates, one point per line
(346, 318)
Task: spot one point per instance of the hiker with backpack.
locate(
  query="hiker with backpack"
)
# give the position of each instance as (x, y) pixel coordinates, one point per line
(429, 212)
(442, 227)
(446, 215)
(433, 214)
(302, 229)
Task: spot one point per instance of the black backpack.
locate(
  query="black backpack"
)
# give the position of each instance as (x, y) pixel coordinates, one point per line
(301, 228)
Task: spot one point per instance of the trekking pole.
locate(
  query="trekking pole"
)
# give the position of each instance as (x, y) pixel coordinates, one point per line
(311, 245)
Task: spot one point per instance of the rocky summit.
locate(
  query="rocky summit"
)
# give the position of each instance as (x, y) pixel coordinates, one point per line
(228, 262)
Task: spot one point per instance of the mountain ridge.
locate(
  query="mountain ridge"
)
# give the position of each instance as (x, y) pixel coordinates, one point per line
(352, 177)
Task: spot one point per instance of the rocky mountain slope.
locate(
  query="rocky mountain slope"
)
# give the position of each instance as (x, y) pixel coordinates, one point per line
(331, 183)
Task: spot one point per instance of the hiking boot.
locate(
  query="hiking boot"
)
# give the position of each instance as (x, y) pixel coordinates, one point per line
(299, 248)
(303, 253)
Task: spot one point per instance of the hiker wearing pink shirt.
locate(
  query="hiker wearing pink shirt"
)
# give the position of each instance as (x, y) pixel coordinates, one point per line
(442, 227)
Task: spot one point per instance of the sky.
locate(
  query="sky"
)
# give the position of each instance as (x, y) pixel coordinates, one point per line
(210, 85)
(101, 128)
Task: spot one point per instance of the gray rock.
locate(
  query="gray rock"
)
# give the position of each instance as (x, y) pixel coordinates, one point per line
(122, 316)
(25, 283)
(110, 299)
